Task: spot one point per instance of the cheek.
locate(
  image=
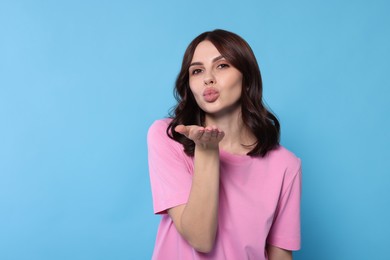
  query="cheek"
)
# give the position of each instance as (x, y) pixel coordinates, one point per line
(194, 86)
(236, 87)
(235, 83)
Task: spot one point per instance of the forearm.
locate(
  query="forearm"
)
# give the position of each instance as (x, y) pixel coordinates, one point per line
(199, 219)
(276, 253)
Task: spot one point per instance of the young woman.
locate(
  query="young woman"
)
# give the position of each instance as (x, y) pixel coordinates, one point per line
(225, 187)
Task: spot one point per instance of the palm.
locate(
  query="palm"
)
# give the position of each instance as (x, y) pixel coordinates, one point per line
(208, 136)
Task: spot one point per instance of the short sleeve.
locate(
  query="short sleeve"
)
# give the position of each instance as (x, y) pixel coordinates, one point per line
(286, 228)
(169, 169)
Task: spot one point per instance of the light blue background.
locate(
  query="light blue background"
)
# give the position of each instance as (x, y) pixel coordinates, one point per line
(81, 81)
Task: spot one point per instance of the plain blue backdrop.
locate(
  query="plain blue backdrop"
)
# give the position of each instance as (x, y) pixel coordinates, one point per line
(81, 82)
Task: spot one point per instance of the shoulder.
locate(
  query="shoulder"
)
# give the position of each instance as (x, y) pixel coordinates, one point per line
(285, 167)
(158, 129)
(282, 157)
(163, 147)
(158, 138)
(159, 125)
(283, 154)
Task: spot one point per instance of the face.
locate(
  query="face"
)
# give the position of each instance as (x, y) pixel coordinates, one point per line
(214, 82)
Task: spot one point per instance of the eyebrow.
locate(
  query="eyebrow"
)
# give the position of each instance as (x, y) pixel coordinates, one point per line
(200, 63)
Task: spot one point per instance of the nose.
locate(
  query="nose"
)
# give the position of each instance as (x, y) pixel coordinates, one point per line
(209, 79)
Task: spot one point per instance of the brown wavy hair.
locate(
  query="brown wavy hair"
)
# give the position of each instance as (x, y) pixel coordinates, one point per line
(260, 121)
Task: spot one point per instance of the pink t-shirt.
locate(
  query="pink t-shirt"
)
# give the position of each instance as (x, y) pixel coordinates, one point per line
(259, 200)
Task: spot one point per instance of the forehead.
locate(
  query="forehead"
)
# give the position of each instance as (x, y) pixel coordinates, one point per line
(205, 51)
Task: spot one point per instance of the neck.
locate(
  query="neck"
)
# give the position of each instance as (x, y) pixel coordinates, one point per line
(238, 138)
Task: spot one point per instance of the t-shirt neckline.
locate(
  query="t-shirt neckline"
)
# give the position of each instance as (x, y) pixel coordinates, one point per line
(233, 158)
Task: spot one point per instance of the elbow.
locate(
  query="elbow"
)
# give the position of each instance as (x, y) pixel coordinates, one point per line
(201, 239)
(203, 245)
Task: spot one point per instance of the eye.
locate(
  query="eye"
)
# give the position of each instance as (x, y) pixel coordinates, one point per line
(223, 65)
(196, 71)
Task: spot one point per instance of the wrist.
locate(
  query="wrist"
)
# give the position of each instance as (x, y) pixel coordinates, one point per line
(202, 147)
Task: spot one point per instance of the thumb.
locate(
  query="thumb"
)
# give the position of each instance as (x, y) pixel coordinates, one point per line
(182, 129)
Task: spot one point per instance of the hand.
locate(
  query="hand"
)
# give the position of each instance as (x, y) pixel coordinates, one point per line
(207, 137)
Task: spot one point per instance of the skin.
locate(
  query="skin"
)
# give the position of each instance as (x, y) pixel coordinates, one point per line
(197, 221)
(276, 253)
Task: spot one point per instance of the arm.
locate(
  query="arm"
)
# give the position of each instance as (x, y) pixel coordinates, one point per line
(276, 253)
(197, 220)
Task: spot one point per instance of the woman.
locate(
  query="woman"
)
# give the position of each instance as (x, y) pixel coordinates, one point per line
(224, 186)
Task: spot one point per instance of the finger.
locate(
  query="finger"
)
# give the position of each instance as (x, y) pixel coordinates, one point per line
(182, 129)
(220, 135)
(198, 133)
(214, 133)
(207, 134)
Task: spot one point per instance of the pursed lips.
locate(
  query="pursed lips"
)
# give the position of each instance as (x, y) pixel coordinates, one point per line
(210, 94)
